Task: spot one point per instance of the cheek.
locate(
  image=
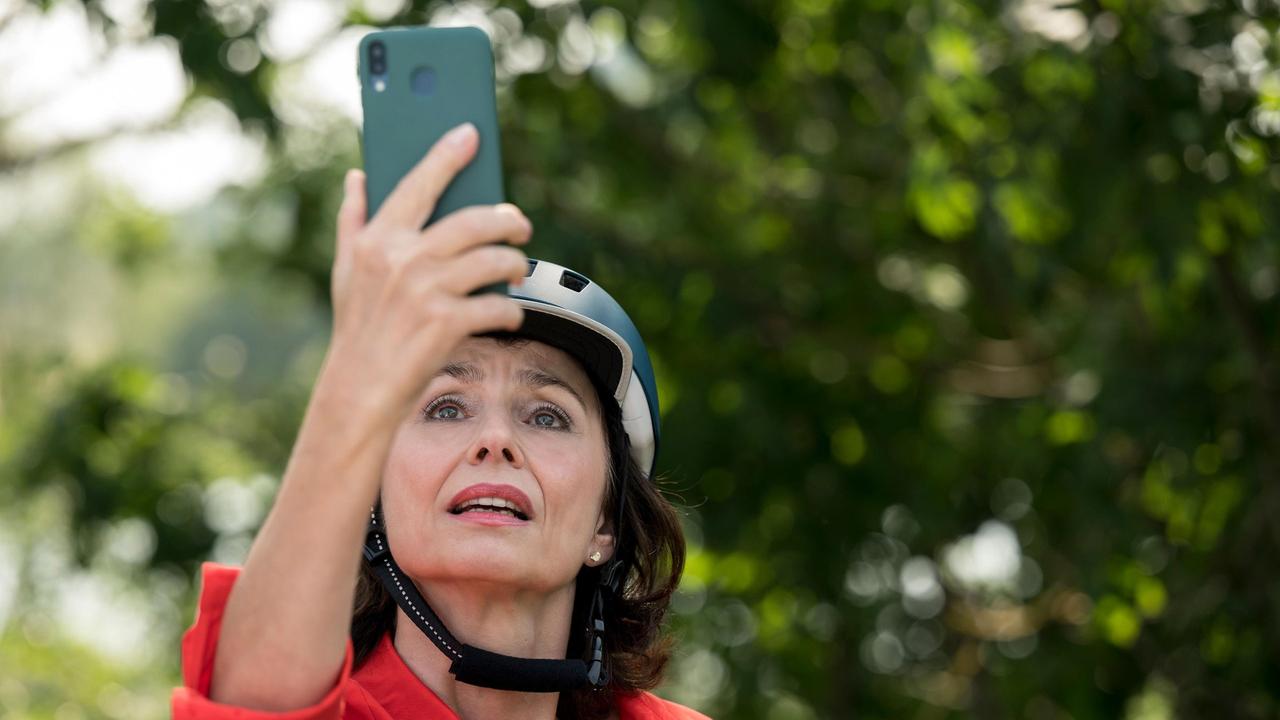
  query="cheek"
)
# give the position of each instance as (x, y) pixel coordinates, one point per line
(411, 479)
(574, 485)
(411, 457)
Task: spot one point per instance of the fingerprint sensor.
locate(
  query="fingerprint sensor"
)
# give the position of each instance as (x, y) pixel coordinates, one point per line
(423, 81)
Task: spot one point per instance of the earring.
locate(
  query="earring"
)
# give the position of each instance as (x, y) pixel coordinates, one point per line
(594, 557)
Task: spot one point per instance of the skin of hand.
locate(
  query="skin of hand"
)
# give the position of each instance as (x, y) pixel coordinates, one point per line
(401, 308)
(400, 293)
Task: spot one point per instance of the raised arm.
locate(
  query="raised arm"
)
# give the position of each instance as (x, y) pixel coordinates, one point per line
(401, 305)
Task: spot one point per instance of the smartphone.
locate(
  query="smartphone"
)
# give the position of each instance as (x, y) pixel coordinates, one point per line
(416, 84)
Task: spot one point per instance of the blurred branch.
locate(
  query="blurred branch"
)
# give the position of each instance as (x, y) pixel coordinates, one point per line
(1242, 314)
(14, 163)
(10, 162)
(1260, 518)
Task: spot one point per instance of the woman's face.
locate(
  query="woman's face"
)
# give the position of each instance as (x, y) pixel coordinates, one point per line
(500, 474)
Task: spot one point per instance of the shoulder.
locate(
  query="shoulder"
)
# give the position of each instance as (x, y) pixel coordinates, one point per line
(647, 706)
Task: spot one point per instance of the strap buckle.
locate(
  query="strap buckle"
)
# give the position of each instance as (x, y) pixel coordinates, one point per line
(375, 546)
(612, 576)
(596, 674)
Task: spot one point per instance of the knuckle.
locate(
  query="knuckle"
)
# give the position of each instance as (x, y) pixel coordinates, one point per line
(488, 255)
(476, 222)
(514, 220)
(435, 163)
(368, 253)
(508, 210)
(426, 288)
(395, 267)
(431, 311)
(403, 247)
(461, 224)
(420, 286)
(441, 155)
(516, 316)
(407, 188)
(507, 259)
(489, 223)
(497, 311)
(519, 262)
(438, 169)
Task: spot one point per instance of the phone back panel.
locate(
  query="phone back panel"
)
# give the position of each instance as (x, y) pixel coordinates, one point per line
(436, 79)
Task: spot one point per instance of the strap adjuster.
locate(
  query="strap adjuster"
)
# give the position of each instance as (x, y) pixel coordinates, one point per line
(375, 546)
(613, 575)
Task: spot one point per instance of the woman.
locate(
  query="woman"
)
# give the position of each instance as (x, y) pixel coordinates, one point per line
(518, 561)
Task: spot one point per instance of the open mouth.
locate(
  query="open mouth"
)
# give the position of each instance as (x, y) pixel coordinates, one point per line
(494, 505)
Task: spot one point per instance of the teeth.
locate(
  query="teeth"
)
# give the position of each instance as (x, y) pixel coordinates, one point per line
(490, 504)
(479, 508)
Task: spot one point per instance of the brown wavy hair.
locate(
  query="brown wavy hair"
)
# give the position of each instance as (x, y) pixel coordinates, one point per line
(651, 544)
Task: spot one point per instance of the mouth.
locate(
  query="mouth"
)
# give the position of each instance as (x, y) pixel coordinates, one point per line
(492, 502)
(496, 506)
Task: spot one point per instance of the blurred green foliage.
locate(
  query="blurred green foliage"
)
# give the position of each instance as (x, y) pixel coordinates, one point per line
(965, 316)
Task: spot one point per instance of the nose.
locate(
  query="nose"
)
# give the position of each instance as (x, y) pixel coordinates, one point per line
(497, 441)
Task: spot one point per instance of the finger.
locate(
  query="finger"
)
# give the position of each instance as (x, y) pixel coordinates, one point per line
(476, 225)
(490, 312)
(351, 214)
(483, 266)
(415, 196)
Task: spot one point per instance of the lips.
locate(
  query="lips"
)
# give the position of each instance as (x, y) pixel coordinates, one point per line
(491, 500)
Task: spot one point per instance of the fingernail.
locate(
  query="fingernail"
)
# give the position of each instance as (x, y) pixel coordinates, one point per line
(460, 135)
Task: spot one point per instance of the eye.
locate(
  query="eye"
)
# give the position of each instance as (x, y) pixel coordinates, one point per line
(543, 413)
(447, 407)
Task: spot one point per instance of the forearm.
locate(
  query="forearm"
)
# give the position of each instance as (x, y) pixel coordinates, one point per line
(287, 620)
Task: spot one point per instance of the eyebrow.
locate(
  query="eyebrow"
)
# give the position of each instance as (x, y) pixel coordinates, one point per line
(532, 377)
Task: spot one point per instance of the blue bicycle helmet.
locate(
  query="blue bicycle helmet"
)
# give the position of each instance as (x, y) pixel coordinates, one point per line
(566, 310)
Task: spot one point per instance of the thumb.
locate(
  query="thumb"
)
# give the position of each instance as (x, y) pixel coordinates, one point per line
(351, 215)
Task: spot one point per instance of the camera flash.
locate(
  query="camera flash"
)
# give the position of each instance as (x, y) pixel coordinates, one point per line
(379, 84)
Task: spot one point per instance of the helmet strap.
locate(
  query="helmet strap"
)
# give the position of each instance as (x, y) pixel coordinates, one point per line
(476, 666)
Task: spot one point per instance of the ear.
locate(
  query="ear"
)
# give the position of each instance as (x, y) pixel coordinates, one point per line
(601, 542)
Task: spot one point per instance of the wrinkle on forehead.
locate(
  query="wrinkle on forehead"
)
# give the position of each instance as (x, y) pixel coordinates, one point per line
(548, 367)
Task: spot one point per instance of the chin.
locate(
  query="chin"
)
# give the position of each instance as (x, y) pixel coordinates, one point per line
(488, 567)
(485, 560)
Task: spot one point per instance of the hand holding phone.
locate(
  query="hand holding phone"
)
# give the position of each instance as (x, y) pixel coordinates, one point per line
(402, 295)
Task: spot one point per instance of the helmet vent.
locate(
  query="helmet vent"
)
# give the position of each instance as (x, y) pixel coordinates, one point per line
(573, 281)
(532, 264)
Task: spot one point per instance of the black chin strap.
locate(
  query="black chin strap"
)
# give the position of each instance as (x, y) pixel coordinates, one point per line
(476, 666)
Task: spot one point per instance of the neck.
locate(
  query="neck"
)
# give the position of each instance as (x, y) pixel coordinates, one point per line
(520, 624)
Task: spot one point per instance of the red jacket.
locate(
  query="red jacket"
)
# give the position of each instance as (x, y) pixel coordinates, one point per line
(382, 689)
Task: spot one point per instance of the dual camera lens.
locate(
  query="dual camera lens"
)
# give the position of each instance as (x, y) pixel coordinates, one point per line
(377, 58)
